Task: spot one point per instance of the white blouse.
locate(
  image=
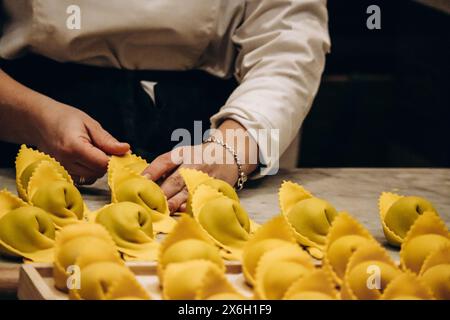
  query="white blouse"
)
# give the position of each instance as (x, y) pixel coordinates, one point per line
(275, 48)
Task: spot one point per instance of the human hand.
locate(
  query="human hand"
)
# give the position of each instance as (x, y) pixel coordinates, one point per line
(165, 168)
(76, 140)
(210, 158)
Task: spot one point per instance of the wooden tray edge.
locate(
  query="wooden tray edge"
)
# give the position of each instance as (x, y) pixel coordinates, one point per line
(32, 285)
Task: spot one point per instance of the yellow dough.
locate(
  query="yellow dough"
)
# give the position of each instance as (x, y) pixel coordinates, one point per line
(427, 234)
(27, 232)
(398, 213)
(369, 263)
(107, 281)
(9, 201)
(273, 234)
(406, 286)
(27, 161)
(224, 219)
(124, 168)
(215, 286)
(130, 226)
(48, 190)
(80, 245)
(225, 296)
(278, 269)
(81, 230)
(187, 241)
(345, 236)
(129, 160)
(316, 285)
(44, 183)
(435, 272)
(128, 185)
(310, 217)
(144, 192)
(194, 178)
(186, 280)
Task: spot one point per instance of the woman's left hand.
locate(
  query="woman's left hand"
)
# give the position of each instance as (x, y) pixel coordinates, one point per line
(210, 158)
(165, 169)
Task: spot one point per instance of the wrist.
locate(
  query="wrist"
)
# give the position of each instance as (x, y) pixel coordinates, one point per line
(236, 136)
(239, 175)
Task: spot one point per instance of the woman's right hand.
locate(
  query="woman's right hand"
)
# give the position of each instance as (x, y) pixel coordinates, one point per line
(66, 133)
(76, 140)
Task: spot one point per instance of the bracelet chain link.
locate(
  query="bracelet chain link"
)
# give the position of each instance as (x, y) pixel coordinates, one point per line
(242, 177)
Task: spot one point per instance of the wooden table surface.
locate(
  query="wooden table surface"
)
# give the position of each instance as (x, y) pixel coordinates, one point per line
(353, 190)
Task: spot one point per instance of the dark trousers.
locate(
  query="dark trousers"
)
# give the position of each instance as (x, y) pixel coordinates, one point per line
(116, 99)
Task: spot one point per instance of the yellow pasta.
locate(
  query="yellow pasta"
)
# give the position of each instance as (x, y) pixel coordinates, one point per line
(345, 236)
(369, 272)
(309, 217)
(435, 272)
(49, 191)
(272, 235)
(127, 185)
(27, 232)
(27, 161)
(215, 286)
(224, 219)
(107, 281)
(427, 234)
(79, 245)
(398, 213)
(44, 183)
(187, 280)
(129, 161)
(317, 285)
(194, 178)
(9, 201)
(130, 226)
(406, 286)
(187, 241)
(278, 269)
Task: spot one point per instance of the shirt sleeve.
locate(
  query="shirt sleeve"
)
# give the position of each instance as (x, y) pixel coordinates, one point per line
(281, 56)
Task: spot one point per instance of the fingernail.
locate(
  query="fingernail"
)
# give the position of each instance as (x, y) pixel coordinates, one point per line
(148, 176)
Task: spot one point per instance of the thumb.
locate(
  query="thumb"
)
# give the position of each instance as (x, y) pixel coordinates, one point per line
(103, 140)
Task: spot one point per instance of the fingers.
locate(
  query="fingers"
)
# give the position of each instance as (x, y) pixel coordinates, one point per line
(182, 208)
(105, 141)
(159, 167)
(77, 171)
(90, 157)
(172, 185)
(178, 200)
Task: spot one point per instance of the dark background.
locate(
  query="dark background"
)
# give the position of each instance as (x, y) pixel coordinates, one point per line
(384, 100)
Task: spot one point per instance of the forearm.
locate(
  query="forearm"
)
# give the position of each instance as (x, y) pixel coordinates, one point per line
(19, 109)
(278, 67)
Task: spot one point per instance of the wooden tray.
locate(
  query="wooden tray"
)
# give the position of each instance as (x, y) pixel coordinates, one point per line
(36, 280)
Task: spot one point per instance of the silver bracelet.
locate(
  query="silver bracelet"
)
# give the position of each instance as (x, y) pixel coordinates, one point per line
(242, 177)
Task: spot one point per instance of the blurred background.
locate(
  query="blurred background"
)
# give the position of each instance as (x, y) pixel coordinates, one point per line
(385, 96)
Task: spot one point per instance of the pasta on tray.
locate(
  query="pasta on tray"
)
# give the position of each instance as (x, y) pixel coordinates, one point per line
(44, 183)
